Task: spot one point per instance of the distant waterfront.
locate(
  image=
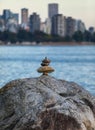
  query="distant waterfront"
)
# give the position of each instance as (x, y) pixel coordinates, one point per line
(72, 63)
(45, 43)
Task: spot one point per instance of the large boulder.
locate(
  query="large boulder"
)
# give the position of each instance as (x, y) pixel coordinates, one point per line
(46, 103)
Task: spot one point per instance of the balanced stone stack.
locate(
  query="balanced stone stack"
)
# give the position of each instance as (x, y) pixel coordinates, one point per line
(46, 103)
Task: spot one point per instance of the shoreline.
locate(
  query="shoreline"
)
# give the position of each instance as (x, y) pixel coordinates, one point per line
(47, 44)
(67, 43)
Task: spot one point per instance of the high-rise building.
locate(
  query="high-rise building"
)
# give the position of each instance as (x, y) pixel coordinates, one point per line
(48, 25)
(43, 27)
(16, 17)
(52, 10)
(58, 25)
(6, 14)
(12, 25)
(2, 26)
(24, 16)
(70, 26)
(80, 26)
(34, 22)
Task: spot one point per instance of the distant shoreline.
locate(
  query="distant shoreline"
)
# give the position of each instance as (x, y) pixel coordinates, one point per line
(47, 44)
(67, 43)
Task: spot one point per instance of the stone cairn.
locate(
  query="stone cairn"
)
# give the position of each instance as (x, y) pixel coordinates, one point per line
(45, 68)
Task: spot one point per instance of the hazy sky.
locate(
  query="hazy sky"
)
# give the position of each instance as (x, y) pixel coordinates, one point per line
(79, 9)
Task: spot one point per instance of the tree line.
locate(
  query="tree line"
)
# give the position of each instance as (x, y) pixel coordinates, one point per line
(38, 36)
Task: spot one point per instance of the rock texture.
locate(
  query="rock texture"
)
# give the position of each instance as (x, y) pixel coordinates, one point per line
(46, 103)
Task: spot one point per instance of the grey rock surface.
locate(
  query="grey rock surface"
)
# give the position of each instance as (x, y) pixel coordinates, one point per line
(46, 103)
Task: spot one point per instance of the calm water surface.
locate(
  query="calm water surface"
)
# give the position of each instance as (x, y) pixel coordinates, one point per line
(72, 63)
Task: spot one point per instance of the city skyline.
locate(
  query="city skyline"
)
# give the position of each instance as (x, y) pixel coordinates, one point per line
(78, 9)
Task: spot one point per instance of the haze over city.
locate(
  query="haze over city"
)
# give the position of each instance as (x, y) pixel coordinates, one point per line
(79, 9)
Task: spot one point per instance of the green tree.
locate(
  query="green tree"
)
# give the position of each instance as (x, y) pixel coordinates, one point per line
(87, 36)
(67, 38)
(78, 36)
(93, 37)
(24, 35)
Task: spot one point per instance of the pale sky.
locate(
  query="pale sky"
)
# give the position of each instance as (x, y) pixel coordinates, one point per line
(79, 9)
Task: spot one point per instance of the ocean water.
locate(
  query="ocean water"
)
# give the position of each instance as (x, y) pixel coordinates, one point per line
(72, 63)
